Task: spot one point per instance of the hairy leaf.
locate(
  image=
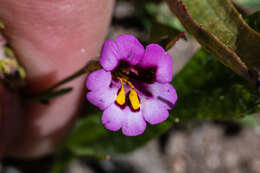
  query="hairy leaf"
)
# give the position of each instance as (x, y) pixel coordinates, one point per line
(220, 29)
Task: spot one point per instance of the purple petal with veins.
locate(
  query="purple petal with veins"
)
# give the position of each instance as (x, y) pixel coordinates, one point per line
(155, 56)
(126, 47)
(131, 50)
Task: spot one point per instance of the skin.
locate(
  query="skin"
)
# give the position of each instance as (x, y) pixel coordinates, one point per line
(52, 39)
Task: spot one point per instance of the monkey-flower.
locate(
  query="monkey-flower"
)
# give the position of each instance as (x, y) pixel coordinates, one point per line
(133, 86)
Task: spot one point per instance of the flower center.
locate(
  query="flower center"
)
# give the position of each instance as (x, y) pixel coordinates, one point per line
(135, 73)
(132, 96)
(132, 77)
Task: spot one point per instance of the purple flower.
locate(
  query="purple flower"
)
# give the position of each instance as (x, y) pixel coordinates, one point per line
(133, 86)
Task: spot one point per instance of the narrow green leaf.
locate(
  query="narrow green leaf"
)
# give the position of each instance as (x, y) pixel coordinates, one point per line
(46, 97)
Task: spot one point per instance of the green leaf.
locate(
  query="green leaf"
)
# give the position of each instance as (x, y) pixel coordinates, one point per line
(254, 21)
(220, 29)
(90, 137)
(46, 97)
(249, 3)
(208, 90)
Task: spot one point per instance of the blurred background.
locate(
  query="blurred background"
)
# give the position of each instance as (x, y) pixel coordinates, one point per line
(200, 136)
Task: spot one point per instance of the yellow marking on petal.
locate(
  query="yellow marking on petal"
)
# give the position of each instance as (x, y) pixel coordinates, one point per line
(120, 98)
(134, 100)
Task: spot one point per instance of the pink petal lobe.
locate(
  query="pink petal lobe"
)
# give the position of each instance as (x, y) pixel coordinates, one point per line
(165, 93)
(99, 79)
(102, 98)
(134, 123)
(113, 117)
(101, 94)
(154, 111)
(109, 55)
(131, 50)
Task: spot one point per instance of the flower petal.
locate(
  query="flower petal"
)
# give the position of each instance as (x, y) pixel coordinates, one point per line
(102, 98)
(109, 57)
(133, 124)
(130, 49)
(154, 111)
(155, 56)
(113, 117)
(98, 80)
(165, 93)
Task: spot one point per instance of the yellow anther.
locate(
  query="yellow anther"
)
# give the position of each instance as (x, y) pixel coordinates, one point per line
(134, 100)
(133, 96)
(120, 98)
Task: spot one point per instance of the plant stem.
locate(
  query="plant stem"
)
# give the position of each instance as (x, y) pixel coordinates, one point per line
(50, 92)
